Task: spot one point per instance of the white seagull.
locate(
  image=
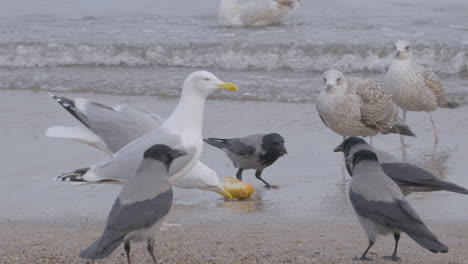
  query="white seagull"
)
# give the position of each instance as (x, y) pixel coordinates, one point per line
(111, 128)
(182, 130)
(259, 13)
(413, 87)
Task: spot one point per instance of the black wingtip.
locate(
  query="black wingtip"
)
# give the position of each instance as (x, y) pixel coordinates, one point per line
(451, 105)
(215, 142)
(403, 130)
(73, 176)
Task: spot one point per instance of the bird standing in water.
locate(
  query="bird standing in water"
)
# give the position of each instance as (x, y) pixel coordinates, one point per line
(413, 87)
(252, 152)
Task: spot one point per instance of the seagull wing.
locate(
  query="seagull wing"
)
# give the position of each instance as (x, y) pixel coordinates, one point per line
(123, 165)
(113, 126)
(377, 110)
(432, 81)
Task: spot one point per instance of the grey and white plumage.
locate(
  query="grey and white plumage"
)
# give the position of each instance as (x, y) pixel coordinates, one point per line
(140, 207)
(408, 177)
(359, 108)
(258, 13)
(182, 130)
(382, 208)
(111, 128)
(413, 87)
(252, 152)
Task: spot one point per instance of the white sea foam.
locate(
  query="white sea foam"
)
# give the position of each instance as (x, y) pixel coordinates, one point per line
(240, 56)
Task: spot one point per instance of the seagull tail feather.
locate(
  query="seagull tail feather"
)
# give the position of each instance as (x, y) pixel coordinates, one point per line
(216, 142)
(450, 105)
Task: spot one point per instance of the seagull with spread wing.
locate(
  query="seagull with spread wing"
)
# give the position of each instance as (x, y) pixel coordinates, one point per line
(111, 128)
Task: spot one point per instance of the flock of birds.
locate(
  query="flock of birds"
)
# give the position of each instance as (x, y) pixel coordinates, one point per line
(150, 154)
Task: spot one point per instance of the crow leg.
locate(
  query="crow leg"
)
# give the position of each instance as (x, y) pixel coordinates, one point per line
(150, 248)
(239, 174)
(258, 174)
(127, 250)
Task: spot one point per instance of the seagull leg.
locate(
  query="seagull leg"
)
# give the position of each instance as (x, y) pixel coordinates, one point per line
(150, 248)
(404, 116)
(436, 137)
(239, 174)
(363, 257)
(258, 174)
(127, 250)
(371, 140)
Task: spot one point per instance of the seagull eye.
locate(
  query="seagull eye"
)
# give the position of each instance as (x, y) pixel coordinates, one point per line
(324, 80)
(206, 79)
(338, 80)
(407, 48)
(394, 47)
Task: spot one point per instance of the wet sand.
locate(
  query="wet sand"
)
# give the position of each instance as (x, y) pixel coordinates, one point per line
(308, 220)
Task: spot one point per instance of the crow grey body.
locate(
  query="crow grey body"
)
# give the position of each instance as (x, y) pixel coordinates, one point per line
(382, 208)
(252, 152)
(138, 210)
(409, 178)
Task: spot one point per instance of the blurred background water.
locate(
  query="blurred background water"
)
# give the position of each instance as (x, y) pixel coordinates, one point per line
(147, 47)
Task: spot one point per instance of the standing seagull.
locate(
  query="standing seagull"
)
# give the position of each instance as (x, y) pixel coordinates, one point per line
(381, 207)
(413, 87)
(182, 130)
(252, 152)
(111, 128)
(362, 108)
(409, 178)
(137, 213)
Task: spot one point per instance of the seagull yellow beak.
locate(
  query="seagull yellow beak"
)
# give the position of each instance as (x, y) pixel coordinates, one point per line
(225, 193)
(228, 86)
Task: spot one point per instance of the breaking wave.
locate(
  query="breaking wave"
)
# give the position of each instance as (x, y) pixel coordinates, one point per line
(240, 56)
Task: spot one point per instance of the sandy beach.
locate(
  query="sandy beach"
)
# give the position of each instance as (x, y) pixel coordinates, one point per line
(308, 220)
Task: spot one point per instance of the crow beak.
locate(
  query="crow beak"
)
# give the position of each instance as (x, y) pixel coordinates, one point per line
(339, 148)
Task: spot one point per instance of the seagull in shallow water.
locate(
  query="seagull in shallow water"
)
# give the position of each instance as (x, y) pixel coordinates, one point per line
(409, 178)
(140, 207)
(413, 87)
(258, 13)
(382, 209)
(111, 128)
(182, 130)
(360, 108)
(252, 152)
